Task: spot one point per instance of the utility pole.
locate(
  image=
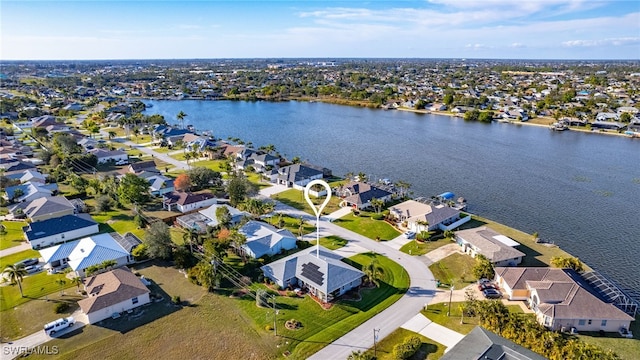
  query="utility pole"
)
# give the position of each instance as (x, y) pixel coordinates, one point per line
(450, 296)
(375, 339)
(275, 313)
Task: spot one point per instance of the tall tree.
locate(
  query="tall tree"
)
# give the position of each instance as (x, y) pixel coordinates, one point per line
(15, 274)
(182, 182)
(158, 240)
(181, 115)
(373, 271)
(133, 189)
(223, 216)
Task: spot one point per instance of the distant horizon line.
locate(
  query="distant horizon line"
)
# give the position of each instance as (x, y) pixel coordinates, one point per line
(315, 58)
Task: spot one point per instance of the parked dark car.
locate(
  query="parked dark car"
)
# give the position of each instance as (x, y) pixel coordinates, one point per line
(485, 286)
(492, 294)
(27, 262)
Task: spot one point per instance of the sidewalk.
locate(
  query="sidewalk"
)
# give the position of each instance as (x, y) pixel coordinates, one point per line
(398, 242)
(425, 327)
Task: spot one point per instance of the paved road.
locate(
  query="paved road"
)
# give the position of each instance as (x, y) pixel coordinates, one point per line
(421, 291)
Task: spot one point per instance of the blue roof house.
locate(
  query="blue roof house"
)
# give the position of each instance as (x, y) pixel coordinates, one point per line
(42, 234)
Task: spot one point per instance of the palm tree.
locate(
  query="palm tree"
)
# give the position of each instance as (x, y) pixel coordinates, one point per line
(270, 148)
(362, 177)
(373, 271)
(111, 134)
(424, 224)
(181, 115)
(77, 281)
(61, 282)
(238, 240)
(15, 273)
(192, 236)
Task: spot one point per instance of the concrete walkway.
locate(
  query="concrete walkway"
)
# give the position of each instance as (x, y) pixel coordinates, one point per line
(425, 327)
(272, 190)
(398, 242)
(343, 211)
(442, 252)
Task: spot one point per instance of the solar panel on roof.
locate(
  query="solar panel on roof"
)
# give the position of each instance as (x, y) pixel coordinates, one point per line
(311, 272)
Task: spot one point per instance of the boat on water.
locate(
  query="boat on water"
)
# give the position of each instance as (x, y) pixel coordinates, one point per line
(559, 126)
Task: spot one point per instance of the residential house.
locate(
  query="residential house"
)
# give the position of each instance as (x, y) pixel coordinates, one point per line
(105, 156)
(43, 121)
(12, 166)
(358, 195)
(44, 208)
(186, 201)
(424, 217)
(89, 251)
(158, 184)
(297, 175)
(29, 191)
(499, 249)
(30, 175)
(112, 292)
(318, 270)
(482, 344)
(207, 218)
(41, 234)
(264, 239)
(561, 299)
(138, 167)
(437, 107)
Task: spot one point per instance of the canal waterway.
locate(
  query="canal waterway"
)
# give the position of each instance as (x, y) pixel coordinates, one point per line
(579, 190)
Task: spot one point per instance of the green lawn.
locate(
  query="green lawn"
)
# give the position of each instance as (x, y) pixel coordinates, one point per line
(455, 269)
(216, 165)
(626, 348)
(429, 349)
(438, 314)
(14, 235)
(333, 242)
(29, 317)
(14, 258)
(420, 248)
(295, 198)
(291, 224)
(367, 227)
(161, 150)
(320, 326)
(34, 286)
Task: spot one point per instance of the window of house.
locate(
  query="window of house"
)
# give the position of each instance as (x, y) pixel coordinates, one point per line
(589, 321)
(603, 323)
(581, 322)
(134, 300)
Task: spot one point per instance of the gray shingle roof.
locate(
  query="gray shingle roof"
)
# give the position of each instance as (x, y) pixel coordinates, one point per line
(484, 344)
(111, 288)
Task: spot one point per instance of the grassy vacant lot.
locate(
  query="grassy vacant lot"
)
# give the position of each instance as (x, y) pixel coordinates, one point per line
(368, 227)
(292, 224)
(420, 248)
(626, 348)
(438, 314)
(429, 349)
(455, 269)
(14, 235)
(536, 254)
(319, 326)
(295, 198)
(333, 242)
(215, 165)
(29, 317)
(208, 326)
(118, 220)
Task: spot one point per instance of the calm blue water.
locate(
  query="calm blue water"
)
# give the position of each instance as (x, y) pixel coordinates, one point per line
(580, 190)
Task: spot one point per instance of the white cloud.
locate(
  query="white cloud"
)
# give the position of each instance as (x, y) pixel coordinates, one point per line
(517, 45)
(603, 42)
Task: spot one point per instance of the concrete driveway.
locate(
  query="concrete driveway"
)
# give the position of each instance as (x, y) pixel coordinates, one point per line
(12, 349)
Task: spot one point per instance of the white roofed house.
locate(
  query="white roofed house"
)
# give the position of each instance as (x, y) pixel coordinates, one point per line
(105, 156)
(325, 276)
(264, 239)
(499, 249)
(92, 250)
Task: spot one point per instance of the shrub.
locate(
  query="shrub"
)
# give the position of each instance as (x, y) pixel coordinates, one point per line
(176, 299)
(407, 348)
(377, 217)
(140, 252)
(291, 294)
(59, 308)
(268, 328)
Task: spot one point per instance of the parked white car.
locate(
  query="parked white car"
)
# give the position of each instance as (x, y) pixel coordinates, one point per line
(57, 325)
(409, 234)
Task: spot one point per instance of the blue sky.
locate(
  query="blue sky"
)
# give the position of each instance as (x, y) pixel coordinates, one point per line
(520, 29)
